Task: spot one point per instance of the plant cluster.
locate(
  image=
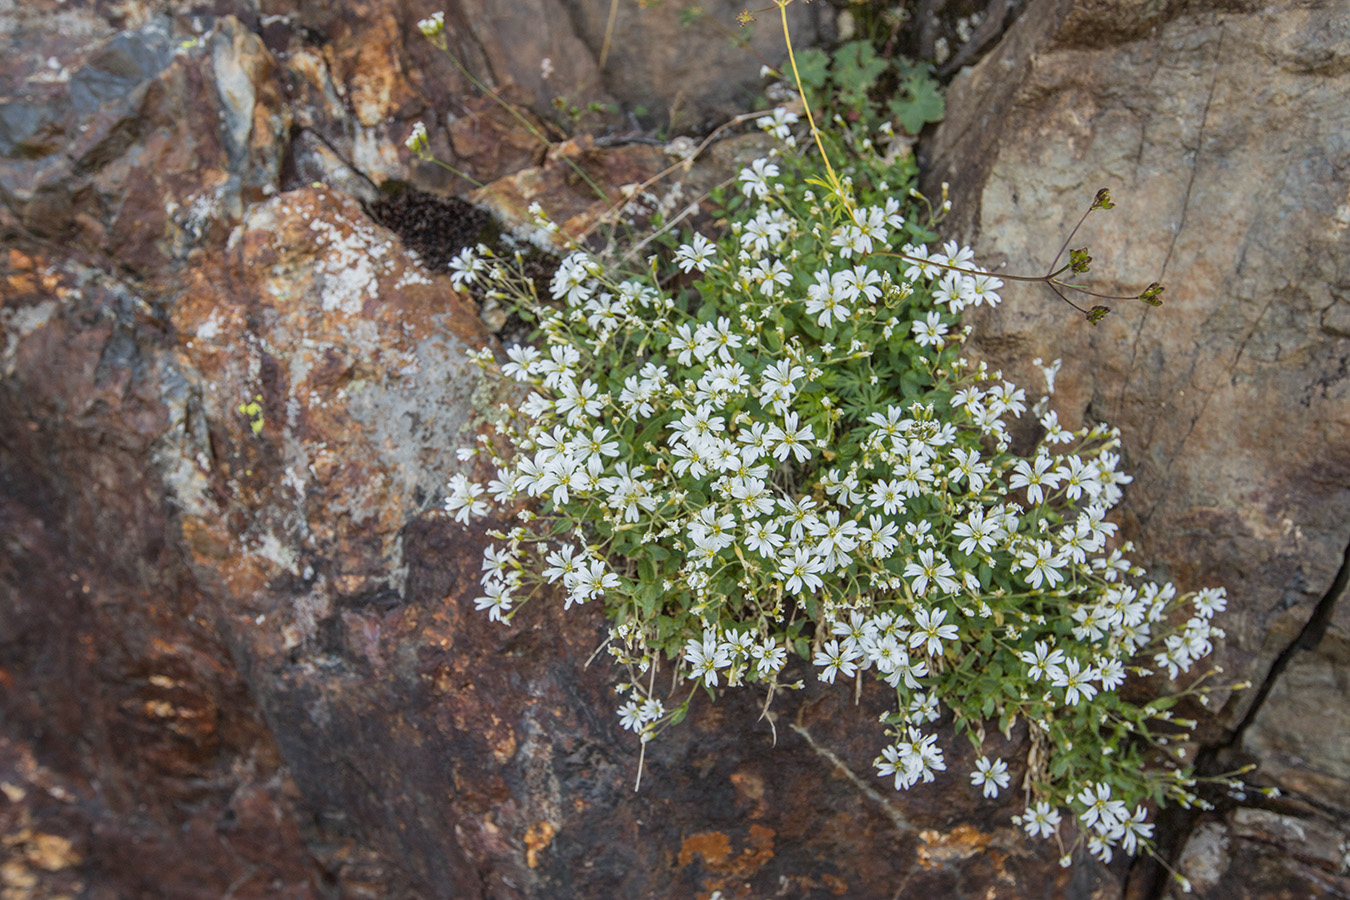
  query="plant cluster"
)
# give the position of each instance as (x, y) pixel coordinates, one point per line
(868, 92)
(772, 443)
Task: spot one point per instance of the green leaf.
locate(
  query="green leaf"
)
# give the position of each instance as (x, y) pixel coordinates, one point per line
(923, 103)
(857, 68)
(813, 66)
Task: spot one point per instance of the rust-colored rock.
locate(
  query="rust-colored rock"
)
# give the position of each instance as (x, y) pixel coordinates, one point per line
(239, 662)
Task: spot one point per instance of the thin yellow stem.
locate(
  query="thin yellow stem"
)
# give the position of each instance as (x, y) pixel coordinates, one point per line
(806, 104)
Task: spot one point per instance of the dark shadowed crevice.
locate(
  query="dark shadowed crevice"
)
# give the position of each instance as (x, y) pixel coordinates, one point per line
(436, 227)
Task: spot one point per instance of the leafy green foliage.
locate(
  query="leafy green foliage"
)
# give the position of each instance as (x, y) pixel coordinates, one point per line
(864, 88)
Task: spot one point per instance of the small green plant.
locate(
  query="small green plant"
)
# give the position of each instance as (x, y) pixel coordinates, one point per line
(772, 444)
(253, 411)
(864, 89)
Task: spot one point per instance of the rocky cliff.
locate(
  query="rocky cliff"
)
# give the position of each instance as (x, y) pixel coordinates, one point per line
(238, 655)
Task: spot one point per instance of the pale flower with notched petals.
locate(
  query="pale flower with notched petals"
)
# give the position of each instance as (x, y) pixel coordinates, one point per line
(697, 254)
(800, 571)
(930, 332)
(464, 501)
(754, 178)
(929, 632)
(1042, 820)
(992, 775)
(837, 660)
(931, 568)
(705, 658)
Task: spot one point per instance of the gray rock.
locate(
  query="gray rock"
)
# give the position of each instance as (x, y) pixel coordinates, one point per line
(1220, 129)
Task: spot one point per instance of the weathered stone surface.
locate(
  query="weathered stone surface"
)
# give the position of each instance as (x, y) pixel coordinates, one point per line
(248, 664)
(687, 75)
(435, 752)
(1220, 129)
(131, 744)
(151, 146)
(1255, 853)
(1300, 734)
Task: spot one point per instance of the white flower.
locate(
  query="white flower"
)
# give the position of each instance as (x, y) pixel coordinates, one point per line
(993, 775)
(652, 709)
(823, 300)
(837, 660)
(770, 274)
(1112, 674)
(706, 657)
(464, 502)
(1044, 662)
(578, 401)
(1102, 812)
(1043, 564)
(779, 123)
(769, 657)
(929, 332)
(559, 366)
(560, 475)
(1101, 847)
(1133, 828)
(562, 565)
(1209, 601)
(1006, 397)
(859, 281)
(719, 338)
(755, 178)
(976, 533)
(1034, 477)
(1041, 820)
(931, 567)
(887, 496)
(834, 536)
(1075, 682)
(523, 360)
(591, 582)
(798, 514)
(417, 141)
(496, 600)
(985, 290)
(629, 492)
(465, 268)
(791, 440)
(630, 716)
(969, 467)
(800, 570)
(432, 25)
(1054, 432)
(695, 255)
(929, 631)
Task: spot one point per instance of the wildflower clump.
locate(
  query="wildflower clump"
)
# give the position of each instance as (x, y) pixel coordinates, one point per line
(771, 444)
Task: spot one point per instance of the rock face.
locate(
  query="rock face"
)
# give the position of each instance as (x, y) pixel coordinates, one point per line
(1219, 129)
(238, 650)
